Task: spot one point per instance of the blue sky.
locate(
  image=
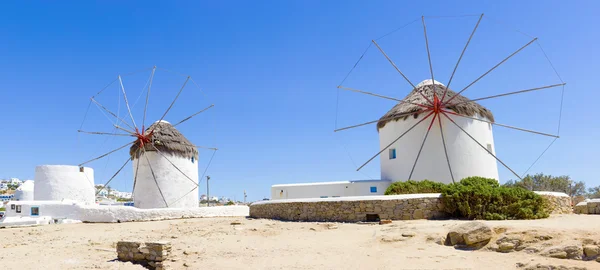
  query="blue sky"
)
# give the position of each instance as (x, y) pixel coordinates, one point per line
(271, 68)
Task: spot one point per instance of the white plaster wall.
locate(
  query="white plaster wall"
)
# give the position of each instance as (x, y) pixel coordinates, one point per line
(58, 182)
(466, 157)
(25, 191)
(69, 210)
(173, 183)
(329, 189)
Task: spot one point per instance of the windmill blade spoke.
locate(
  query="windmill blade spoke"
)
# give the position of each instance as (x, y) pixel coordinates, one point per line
(381, 96)
(121, 128)
(127, 102)
(487, 72)
(484, 148)
(206, 147)
(460, 58)
(147, 97)
(402, 135)
(506, 126)
(421, 149)
(428, 54)
(137, 168)
(375, 121)
(115, 150)
(171, 106)
(397, 69)
(113, 114)
(177, 168)
(196, 187)
(509, 93)
(113, 177)
(189, 117)
(154, 177)
(103, 133)
(445, 149)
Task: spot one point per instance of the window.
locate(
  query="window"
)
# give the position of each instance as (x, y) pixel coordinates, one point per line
(392, 153)
(35, 211)
(489, 148)
(12, 207)
(18, 209)
(373, 189)
(323, 196)
(192, 159)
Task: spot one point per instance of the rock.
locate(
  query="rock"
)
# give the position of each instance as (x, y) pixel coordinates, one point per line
(385, 221)
(391, 238)
(565, 252)
(506, 247)
(553, 267)
(408, 234)
(559, 254)
(591, 251)
(473, 234)
(509, 243)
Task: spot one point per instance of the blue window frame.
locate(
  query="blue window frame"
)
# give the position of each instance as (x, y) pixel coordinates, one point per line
(392, 153)
(192, 159)
(373, 189)
(35, 211)
(324, 196)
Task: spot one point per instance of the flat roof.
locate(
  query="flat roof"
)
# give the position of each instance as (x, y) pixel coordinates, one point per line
(327, 183)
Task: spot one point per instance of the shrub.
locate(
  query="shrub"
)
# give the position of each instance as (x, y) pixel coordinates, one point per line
(413, 187)
(484, 198)
(2, 209)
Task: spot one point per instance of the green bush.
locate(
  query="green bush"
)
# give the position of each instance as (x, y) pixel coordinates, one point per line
(2, 209)
(484, 198)
(413, 187)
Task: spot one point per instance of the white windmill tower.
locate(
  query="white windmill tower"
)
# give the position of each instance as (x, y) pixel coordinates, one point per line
(165, 162)
(437, 134)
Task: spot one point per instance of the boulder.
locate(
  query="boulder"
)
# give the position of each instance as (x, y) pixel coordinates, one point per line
(591, 251)
(473, 234)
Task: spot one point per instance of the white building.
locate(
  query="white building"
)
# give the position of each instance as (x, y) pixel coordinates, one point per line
(25, 191)
(466, 157)
(15, 181)
(168, 177)
(63, 182)
(329, 189)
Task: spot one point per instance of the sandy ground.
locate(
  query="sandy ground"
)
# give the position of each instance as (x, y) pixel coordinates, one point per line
(213, 243)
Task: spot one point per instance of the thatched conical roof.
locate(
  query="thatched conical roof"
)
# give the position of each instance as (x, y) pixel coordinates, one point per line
(167, 139)
(404, 110)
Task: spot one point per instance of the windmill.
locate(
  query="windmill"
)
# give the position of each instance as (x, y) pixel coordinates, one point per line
(431, 116)
(165, 163)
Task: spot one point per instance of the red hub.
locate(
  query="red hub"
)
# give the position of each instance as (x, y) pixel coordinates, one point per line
(142, 138)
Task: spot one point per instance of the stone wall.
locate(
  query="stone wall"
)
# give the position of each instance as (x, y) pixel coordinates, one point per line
(352, 209)
(363, 208)
(591, 207)
(558, 203)
(150, 254)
